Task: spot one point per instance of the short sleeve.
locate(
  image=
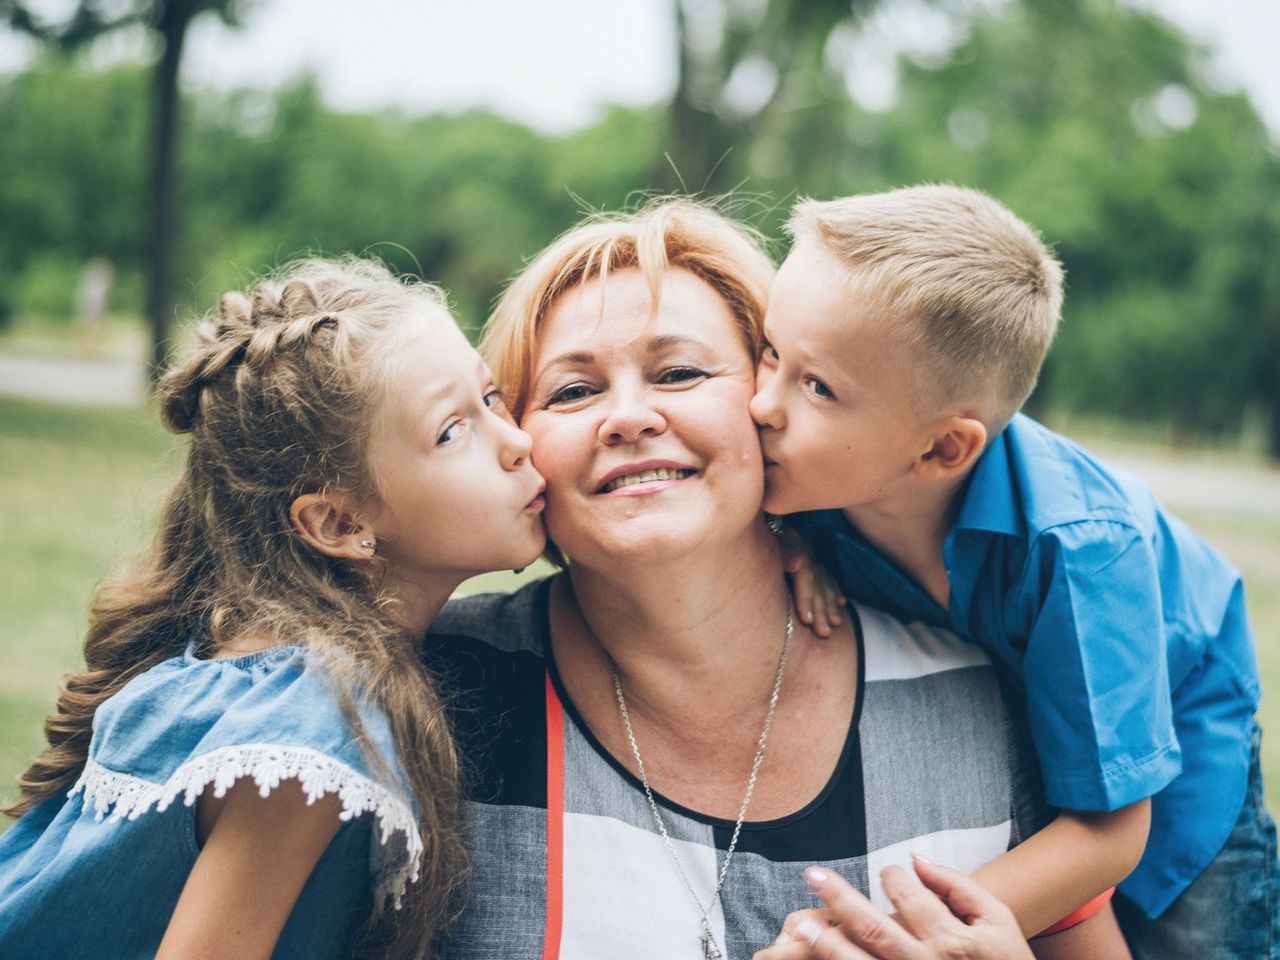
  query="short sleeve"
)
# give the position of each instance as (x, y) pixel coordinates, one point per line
(1095, 668)
(189, 725)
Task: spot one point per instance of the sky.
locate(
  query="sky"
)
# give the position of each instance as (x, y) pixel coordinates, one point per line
(556, 63)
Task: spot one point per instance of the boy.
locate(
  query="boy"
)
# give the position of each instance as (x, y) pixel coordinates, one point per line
(905, 331)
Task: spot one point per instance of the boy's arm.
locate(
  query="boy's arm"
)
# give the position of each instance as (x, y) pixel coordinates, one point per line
(1097, 938)
(1068, 863)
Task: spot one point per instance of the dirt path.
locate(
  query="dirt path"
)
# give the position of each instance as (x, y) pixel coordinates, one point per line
(114, 383)
(1199, 483)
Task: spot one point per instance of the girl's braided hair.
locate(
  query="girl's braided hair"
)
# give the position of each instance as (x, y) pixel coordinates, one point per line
(280, 398)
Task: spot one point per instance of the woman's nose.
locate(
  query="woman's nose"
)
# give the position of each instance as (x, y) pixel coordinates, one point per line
(630, 417)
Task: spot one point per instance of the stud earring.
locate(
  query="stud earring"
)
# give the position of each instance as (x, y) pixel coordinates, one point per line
(368, 544)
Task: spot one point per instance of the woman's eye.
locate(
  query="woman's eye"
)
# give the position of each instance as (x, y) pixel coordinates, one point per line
(571, 393)
(820, 389)
(451, 432)
(681, 375)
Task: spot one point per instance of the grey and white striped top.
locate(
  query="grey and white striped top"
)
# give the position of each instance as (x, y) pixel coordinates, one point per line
(931, 764)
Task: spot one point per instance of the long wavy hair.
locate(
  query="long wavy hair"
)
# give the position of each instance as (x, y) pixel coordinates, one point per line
(280, 399)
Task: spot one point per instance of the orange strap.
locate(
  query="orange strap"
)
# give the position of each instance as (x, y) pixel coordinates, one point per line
(1081, 915)
(555, 825)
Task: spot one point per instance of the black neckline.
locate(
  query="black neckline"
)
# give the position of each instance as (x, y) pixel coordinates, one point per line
(543, 622)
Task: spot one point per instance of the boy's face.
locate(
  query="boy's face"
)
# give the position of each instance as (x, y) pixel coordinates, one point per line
(835, 399)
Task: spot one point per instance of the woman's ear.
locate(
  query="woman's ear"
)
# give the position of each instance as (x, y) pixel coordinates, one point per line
(328, 523)
(956, 445)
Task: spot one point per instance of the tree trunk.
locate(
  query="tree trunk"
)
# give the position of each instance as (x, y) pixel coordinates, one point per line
(1273, 422)
(161, 235)
(693, 160)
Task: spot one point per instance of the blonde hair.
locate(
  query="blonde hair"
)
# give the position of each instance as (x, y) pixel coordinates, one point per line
(280, 398)
(669, 233)
(973, 288)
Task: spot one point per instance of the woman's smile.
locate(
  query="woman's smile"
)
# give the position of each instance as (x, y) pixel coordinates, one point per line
(640, 479)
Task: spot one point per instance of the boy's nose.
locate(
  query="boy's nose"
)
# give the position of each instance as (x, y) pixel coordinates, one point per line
(765, 409)
(516, 447)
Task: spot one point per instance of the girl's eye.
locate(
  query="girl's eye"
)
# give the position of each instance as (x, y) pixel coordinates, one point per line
(820, 389)
(571, 393)
(769, 353)
(451, 432)
(681, 375)
(494, 398)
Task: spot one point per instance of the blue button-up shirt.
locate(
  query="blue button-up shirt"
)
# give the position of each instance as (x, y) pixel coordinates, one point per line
(1126, 629)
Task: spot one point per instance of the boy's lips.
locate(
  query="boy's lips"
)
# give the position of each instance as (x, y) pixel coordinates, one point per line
(539, 499)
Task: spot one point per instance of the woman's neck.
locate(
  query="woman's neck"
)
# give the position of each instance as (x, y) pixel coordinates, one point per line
(699, 634)
(696, 646)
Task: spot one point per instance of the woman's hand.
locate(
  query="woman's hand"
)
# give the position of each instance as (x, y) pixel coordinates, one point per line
(817, 594)
(945, 915)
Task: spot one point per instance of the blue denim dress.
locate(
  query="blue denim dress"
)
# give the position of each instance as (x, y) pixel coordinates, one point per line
(97, 873)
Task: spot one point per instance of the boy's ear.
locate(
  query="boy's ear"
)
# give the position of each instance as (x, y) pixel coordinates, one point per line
(957, 444)
(328, 523)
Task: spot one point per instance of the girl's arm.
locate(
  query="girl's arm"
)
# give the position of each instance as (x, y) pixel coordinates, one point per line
(256, 859)
(1069, 862)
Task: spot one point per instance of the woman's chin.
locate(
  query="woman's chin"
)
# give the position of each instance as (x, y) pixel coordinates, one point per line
(650, 541)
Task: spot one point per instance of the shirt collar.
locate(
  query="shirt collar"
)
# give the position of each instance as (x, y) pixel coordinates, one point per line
(991, 501)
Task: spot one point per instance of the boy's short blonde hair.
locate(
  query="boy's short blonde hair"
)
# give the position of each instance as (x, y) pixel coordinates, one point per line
(680, 232)
(973, 288)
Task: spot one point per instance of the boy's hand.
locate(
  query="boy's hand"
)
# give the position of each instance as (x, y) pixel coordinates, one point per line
(817, 595)
(947, 917)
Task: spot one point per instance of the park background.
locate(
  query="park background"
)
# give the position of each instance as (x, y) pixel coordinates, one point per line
(454, 140)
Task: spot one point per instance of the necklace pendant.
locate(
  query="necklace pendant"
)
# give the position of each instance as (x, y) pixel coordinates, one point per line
(709, 949)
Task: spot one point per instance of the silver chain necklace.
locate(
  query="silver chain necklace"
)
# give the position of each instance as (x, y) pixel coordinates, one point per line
(710, 951)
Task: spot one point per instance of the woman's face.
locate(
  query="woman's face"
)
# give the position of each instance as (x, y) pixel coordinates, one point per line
(639, 420)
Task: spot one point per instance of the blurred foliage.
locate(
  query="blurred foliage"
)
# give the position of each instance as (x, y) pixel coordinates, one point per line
(166, 23)
(1160, 193)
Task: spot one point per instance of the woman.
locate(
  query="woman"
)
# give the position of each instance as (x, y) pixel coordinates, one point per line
(659, 744)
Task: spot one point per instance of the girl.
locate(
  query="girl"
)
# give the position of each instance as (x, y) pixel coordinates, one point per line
(254, 762)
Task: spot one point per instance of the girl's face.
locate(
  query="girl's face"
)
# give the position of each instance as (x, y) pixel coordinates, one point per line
(640, 420)
(457, 494)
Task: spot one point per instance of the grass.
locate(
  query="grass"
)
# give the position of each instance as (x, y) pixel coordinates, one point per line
(80, 488)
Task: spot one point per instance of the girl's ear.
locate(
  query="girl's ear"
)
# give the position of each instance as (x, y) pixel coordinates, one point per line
(957, 443)
(328, 523)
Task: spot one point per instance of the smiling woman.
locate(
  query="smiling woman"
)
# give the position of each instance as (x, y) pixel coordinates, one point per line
(658, 744)
(642, 413)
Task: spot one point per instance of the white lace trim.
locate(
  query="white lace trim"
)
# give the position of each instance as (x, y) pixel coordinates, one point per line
(126, 797)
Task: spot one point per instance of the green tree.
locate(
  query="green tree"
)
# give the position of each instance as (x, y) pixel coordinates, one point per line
(739, 62)
(167, 21)
(70, 182)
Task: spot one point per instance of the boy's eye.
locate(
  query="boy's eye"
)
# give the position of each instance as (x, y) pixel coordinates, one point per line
(680, 375)
(494, 398)
(820, 389)
(451, 432)
(570, 393)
